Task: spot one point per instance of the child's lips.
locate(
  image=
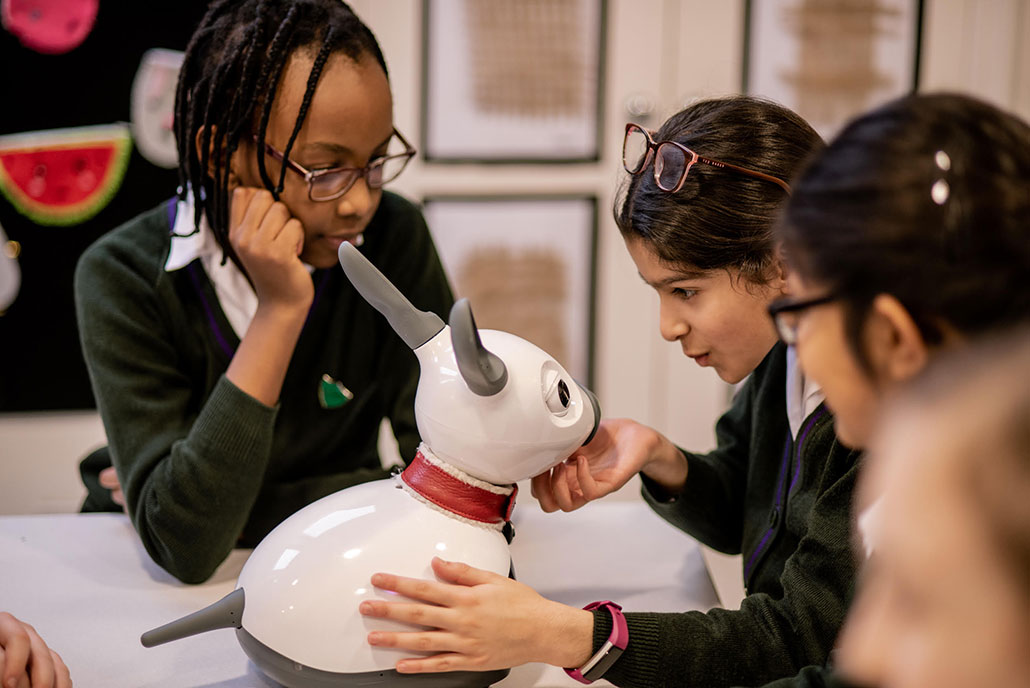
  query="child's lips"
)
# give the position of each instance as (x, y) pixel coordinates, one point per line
(700, 359)
(355, 238)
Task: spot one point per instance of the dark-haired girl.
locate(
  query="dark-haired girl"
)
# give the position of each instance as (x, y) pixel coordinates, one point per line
(238, 374)
(907, 237)
(697, 218)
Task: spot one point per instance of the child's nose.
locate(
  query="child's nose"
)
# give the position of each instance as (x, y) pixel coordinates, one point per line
(357, 201)
(671, 325)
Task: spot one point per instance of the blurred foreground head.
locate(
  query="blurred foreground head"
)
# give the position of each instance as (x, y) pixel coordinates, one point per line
(945, 596)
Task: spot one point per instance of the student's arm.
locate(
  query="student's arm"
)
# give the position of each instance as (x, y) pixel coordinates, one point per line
(811, 677)
(766, 638)
(191, 467)
(268, 241)
(479, 618)
(710, 504)
(700, 493)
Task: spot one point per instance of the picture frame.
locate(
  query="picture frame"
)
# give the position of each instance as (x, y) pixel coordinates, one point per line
(829, 61)
(513, 82)
(527, 264)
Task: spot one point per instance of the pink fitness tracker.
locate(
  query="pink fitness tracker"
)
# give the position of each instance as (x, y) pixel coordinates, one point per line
(603, 659)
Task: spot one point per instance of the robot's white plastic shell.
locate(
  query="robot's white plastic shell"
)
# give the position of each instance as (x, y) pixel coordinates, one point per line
(508, 436)
(304, 581)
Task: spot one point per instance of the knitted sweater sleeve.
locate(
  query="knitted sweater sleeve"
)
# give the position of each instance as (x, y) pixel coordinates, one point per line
(710, 507)
(190, 470)
(767, 638)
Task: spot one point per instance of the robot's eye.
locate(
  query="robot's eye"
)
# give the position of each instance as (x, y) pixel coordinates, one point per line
(557, 395)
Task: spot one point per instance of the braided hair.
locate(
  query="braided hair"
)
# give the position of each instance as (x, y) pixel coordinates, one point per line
(228, 81)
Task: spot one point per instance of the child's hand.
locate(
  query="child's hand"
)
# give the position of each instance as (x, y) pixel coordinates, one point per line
(25, 660)
(268, 241)
(108, 479)
(620, 449)
(480, 622)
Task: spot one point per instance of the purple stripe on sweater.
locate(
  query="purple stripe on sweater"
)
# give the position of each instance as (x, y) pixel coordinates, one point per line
(173, 206)
(758, 550)
(779, 491)
(222, 342)
(816, 415)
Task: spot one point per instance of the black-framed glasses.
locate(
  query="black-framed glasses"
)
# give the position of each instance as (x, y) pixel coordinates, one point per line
(672, 160)
(786, 314)
(330, 184)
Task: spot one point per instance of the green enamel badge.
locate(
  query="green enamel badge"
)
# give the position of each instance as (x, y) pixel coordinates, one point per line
(332, 394)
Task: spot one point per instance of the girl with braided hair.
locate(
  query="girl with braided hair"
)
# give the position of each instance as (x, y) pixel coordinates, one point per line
(238, 374)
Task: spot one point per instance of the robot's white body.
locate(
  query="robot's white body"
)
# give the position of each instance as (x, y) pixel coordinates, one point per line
(336, 544)
(492, 409)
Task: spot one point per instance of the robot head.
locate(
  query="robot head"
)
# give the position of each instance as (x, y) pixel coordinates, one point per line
(489, 403)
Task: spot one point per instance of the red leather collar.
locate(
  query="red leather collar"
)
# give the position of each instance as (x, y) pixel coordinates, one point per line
(455, 495)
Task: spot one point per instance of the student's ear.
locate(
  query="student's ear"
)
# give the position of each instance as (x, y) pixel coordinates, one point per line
(778, 272)
(199, 145)
(893, 343)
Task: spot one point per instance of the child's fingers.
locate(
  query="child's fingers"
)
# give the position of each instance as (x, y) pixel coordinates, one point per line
(587, 485)
(273, 222)
(108, 478)
(423, 641)
(540, 488)
(241, 197)
(63, 678)
(415, 588)
(42, 665)
(292, 236)
(407, 612)
(15, 642)
(461, 573)
(560, 489)
(448, 661)
(254, 213)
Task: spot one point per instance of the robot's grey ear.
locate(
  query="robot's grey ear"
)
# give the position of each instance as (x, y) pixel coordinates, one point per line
(414, 326)
(484, 373)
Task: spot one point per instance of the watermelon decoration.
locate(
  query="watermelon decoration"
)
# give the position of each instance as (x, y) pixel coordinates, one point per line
(51, 27)
(64, 176)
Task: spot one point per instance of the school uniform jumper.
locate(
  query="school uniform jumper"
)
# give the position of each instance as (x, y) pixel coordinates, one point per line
(782, 502)
(204, 466)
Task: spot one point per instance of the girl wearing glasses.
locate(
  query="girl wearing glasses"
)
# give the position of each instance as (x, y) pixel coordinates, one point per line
(909, 237)
(949, 468)
(238, 374)
(697, 218)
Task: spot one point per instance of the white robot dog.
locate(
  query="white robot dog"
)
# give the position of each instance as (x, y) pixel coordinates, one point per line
(492, 409)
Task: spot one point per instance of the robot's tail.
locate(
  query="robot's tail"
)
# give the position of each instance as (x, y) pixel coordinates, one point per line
(225, 613)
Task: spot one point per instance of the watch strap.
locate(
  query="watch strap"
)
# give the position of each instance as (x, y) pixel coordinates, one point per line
(610, 651)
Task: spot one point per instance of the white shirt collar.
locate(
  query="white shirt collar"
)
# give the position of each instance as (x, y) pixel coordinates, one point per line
(803, 394)
(235, 295)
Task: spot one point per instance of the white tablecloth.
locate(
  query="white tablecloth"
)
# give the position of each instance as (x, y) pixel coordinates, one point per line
(86, 583)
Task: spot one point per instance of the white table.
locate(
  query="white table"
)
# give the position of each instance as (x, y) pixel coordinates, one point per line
(86, 583)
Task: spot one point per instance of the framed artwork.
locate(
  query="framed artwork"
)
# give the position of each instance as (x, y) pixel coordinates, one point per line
(513, 81)
(830, 60)
(527, 264)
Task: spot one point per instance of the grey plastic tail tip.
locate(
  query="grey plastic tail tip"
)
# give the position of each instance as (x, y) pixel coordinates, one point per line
(225, 613)
(484, 372)
(415, 327)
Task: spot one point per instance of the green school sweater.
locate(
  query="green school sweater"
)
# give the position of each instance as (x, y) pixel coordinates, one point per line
(204, 466)
(784, 505)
